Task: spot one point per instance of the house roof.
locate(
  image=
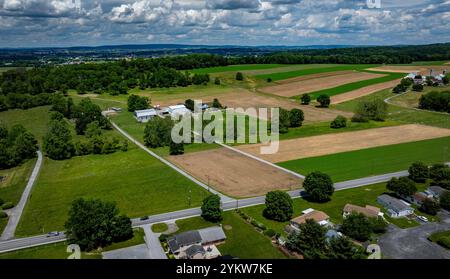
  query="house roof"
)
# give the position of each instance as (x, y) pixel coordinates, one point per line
(315, 215)
(369, 211)
(419, 196)
(437, 190)
(392, 203)
(145, 112)
(184, 239)
(194, 249)
(212, 234)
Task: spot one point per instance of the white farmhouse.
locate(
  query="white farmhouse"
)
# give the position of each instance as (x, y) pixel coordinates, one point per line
(144, 115)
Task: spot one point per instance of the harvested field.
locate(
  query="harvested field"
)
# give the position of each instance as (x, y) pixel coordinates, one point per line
(314, 76)
(234, 174)
(340, 98)
(240, 98)
(315, 84)
(342, 142)
(424, 70)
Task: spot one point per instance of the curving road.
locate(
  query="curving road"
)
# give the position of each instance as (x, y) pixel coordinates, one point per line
(16, 212)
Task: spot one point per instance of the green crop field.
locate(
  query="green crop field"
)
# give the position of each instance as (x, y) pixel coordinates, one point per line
(34, 120)
(315, 69)
(353, 86)
(15, 180)
(243, 241)
(374, 161)
(133, 179)
(236, 68)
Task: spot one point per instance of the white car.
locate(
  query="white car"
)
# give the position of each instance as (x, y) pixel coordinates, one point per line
(422, 218)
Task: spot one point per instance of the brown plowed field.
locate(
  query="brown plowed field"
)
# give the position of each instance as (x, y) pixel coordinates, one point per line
(340, 98)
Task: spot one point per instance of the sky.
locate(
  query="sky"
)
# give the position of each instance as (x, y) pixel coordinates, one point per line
(61, 23)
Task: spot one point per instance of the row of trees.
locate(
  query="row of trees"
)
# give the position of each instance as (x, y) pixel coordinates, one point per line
(157, 133)
(436, 101)
(24, 101)
(16, 146)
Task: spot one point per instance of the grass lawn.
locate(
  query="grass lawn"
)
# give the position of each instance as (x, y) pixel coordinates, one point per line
(160, 227)
(243, 241)
(3, 223)
(133, 179)
(16, 179)
(401, 114)
(314, 69)
(58, 250)
(235, 68)
(437, 235)
(373, 161)
(34, 120)
(353, 86)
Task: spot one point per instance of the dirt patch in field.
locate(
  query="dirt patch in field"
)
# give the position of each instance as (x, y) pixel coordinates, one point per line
(316, 84)
(340, 98)
(424, 70)
(234, 174)
(246, 99)
(314, 76)
(342, 142)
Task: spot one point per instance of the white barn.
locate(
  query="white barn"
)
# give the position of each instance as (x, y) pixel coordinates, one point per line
(144, 115)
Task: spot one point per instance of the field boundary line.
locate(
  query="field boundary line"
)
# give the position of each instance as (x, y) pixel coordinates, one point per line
(173, 166)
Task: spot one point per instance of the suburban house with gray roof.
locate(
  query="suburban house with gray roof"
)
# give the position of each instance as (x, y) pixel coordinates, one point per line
(144, 115)
(395, 207)
(435, 191)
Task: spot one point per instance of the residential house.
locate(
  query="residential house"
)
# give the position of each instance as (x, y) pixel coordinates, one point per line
(368, 210)
(178, 110)
(417, 198)
(318, 216)
(435, 191)
(144, 115)
(197, 244)
(395, 207)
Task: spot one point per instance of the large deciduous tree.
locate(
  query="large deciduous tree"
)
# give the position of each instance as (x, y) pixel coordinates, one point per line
(318, 186)
(58, 140)
(136, 102)
(279, 206)
(157, 132)
(211, 210)
(419, 172)
(402, 187)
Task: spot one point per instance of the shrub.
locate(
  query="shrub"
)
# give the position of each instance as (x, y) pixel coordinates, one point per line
(163, 237)
(417, 87)
(305, 99)
(1, 202)
(324, 101)
(269, 79)
(444, 241)
(217, 81)
(3, 215)
(270, 233)
(339, 122)
(239, 76)
(399, 89)
(279, 206)
(211, 210)
(7, 205)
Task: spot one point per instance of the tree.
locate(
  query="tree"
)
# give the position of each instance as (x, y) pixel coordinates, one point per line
(419, 172)
(402, 187)
(318, 186)
(157, 132)
(305, 99)
(217, 104)
(370, 110)
(310, 240)
(58, 140)
(136, 102)
(430, 206)
(339, 122)
(59, 103)
(357, 226)
(189, 104)
(400, 88)
(324, 101)
(279, 206)
(25, 146)
(239, 76)
(93, 223)
(93, 129)
(440, 174)
(269, 79)
(342, 248)
(296, 117)
(285, 121)
(444, 200)
(378, 224)
(176, 148)
(211, 210)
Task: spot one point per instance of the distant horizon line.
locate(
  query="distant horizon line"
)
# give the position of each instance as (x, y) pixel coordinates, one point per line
(213, 45)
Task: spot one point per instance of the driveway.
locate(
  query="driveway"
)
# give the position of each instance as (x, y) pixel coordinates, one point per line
(412, 243)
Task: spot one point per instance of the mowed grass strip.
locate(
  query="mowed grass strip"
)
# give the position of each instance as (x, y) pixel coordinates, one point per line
(315, 69)
(373, 161)
(353, 86)
(243, 241)
(233, 68)
(139, 183)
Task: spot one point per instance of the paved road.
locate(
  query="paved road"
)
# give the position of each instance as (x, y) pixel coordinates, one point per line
(16, 212)
(154, 246)
(164, 161)
(20, 243)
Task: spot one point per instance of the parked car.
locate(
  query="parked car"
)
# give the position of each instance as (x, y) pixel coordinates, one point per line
(422, 218)
(52, 234)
